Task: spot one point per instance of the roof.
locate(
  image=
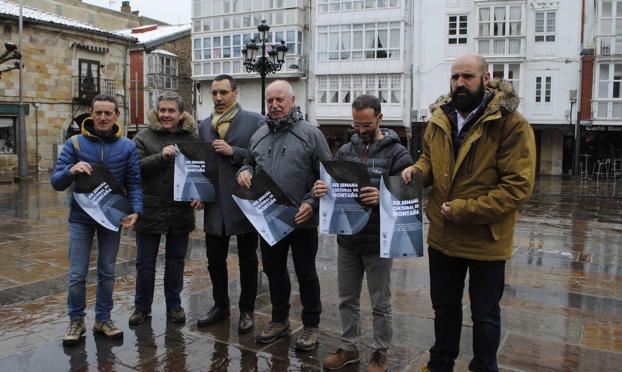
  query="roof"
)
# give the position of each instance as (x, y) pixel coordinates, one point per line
(38, 16)
(160, 35)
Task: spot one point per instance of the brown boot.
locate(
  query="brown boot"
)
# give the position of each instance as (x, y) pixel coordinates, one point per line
(340, 359)
(273, 331)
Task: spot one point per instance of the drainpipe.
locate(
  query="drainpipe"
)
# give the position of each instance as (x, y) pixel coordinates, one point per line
(36, 105)
(126, 91)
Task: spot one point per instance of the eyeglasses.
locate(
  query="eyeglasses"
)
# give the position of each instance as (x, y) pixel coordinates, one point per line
(465, 76)
(222, 92)
(362, 126)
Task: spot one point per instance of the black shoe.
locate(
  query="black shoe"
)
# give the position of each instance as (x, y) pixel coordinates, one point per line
(215, 315)
(247, 321)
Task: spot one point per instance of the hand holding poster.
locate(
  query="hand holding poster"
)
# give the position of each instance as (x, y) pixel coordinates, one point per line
(101, 197)
(267, 208)
(341, 210)
(195, 172)
(401, 224)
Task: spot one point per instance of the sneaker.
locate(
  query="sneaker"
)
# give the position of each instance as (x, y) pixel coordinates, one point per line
(273, 331)
(378, 362)
(307, 339)
(138, 317)
(340, 359)
(176, 315)
(74, 331)
(108, 329)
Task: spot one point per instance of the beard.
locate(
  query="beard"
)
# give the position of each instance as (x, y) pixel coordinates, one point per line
(366, 137)
(469, 101)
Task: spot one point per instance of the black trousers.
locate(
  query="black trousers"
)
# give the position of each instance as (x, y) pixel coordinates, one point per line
(304, 248)
(217, 249)
(486, 282)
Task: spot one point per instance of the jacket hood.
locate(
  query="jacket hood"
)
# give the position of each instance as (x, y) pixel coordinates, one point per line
(505, 98)
(390, 137)
(188, 124)
(87, 129)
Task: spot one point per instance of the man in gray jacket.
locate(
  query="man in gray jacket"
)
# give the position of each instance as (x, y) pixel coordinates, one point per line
(229, 129)
(289, 149)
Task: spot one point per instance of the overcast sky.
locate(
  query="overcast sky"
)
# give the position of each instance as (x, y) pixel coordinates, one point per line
(174, 12)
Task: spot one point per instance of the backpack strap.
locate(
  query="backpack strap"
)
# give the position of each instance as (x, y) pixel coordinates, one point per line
(76, 143)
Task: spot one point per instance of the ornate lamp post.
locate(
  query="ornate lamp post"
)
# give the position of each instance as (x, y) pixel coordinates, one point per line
(265, 63)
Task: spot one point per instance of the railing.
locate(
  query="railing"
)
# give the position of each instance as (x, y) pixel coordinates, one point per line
(107, 86)
(607, 109)
(609, 46)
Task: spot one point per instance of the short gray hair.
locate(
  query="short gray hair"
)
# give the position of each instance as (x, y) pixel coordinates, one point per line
(172, 96)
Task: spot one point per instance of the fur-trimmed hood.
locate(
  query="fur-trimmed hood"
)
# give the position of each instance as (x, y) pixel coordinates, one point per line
(505, 98)
(187, 121)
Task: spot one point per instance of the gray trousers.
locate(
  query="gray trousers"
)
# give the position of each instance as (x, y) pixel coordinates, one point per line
(350, 270)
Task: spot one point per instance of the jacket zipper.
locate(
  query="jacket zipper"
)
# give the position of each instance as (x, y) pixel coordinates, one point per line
(365, 154)
(473, 151)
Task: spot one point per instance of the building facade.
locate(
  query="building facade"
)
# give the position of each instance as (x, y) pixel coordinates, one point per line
(221, 28)
(66, 63)
(533, 44)
(159, 62)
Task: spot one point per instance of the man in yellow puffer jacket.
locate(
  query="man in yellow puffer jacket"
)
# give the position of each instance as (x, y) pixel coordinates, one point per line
(479, 157)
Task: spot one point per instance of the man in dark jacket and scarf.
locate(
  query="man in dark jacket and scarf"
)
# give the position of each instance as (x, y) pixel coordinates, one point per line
(100, 141)
(228, 130)
(479, 156)
(380, 150)
(168, 126)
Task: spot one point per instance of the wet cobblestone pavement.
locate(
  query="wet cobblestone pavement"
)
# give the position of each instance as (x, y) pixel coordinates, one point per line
(561, 311)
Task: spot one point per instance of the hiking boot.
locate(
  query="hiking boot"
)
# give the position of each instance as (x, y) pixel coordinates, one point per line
(138, 317)
(378, 362)
(75, 329)
(307, 339)
(340, 359)
(108, 329)
(176, 315)
(273, 331)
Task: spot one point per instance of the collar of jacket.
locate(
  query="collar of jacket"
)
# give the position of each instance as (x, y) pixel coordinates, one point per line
(287, 122)
(88, 130)
(504, 101)
(187, 122)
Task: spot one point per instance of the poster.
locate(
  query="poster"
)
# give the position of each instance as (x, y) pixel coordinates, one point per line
(101, 197)
(195, 172)
(401, 223)
(267, 208)
(341, 210)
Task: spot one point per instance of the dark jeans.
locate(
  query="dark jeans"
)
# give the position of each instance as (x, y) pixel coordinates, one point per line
(486, 281)
(304, 248)
(217, 250)
(147, 253)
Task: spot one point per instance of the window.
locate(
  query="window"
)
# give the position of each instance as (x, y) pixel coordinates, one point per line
(609, 80)
(162, 71)
(88, 79)
(507, 71)
(58, 10)
(543, 89)
(7, 135)
(611, 18)
(333, 6)
(359, 41)
(90, 20)
(545, 27)
(500, 30)
(343, 89)
(457, 29)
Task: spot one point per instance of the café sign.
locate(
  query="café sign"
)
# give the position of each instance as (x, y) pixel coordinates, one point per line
(604, 128)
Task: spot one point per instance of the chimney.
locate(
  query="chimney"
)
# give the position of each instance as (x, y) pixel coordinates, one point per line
(125, 7)
(135, 13)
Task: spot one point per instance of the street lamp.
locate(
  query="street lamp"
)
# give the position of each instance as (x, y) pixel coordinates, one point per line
(265, 63)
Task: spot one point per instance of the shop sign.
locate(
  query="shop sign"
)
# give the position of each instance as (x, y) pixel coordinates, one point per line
(604, 128)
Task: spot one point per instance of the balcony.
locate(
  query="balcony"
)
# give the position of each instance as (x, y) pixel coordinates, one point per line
(607, 109)
(84, 93)
(609, 46)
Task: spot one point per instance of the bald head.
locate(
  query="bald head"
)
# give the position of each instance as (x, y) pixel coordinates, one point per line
(472, 60)
(279, 99)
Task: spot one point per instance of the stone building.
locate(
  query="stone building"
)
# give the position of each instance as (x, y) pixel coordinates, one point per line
(66, 63)
(159, 62)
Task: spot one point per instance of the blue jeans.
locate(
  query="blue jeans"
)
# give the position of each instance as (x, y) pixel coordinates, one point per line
(146, 256)
(80, 243)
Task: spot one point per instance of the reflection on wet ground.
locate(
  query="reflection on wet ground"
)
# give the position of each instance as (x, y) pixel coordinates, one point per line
(562, 308)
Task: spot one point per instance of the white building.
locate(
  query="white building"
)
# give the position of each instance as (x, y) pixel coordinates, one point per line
(221, 28)
(535, 44)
